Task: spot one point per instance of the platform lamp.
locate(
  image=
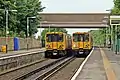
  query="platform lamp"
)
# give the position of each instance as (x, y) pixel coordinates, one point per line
(6, 28)
(27, 29)
(105, 21)
(48, 25)
(110, 28)
(40, 34)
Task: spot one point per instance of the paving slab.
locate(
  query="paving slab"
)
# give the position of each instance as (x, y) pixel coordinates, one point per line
(114, 60)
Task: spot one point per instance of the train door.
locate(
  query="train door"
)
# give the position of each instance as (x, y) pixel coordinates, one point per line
(81, 43)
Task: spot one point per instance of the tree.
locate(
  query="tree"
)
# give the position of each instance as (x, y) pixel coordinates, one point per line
(116, 11)
(28, 8)
(98, 36)
(18, 20)
(7, 5)
(52, 30)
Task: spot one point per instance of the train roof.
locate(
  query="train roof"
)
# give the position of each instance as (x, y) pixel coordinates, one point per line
(81, 33)
(55, 33)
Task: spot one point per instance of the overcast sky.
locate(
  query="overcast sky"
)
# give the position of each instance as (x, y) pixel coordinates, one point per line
(76, 6)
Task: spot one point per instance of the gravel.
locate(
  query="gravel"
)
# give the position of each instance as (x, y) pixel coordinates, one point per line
(67, 72)
(13, 75)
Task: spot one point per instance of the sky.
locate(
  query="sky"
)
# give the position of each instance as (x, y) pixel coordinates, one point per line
(80, 6)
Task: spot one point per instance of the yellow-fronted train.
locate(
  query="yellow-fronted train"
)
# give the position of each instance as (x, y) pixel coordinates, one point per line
(57, 44)
(82, 43)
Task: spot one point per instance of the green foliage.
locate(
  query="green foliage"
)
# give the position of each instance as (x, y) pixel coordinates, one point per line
(116, 8)
(28, 9)
(17, 21)
(7, 5)
(52, 30)
(98, 36)
(116, 11)
(117, 3)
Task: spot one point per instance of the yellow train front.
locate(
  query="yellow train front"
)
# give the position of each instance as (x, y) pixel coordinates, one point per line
(57, 44)
(82, 43)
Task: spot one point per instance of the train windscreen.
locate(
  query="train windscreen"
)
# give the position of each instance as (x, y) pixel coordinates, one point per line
(86, 37)
(80, 37)
(54, 37)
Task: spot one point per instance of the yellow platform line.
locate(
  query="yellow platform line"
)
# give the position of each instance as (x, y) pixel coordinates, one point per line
(108, 69)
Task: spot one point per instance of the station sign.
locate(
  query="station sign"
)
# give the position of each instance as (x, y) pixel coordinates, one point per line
(114, 20)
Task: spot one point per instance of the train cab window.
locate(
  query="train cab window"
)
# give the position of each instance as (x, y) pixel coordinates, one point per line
(54, 38)
(60, 38)
(49, 38)
(75, 37)
(80, 37)
(86, 37)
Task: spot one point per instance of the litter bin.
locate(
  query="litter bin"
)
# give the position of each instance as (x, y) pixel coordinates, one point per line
(16, 44)
(3, 48)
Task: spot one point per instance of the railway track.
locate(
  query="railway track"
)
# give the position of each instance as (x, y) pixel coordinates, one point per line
(68, 71)
(44, 71)
(18, 71)
(13, 61)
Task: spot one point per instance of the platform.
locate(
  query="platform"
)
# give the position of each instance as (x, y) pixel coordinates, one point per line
(2, 54)
(102, 64)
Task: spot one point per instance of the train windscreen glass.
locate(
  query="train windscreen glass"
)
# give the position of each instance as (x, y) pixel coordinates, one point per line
(78, 37)
(86, 37)
(54, 37)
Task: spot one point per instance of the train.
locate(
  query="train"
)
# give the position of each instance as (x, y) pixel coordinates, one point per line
(82, 43)
(57, 44)
(60, 44)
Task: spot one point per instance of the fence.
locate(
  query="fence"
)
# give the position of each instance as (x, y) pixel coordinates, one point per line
(32, 43)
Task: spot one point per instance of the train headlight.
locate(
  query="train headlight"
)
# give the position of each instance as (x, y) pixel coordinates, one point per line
(87, 46)
(74, 45)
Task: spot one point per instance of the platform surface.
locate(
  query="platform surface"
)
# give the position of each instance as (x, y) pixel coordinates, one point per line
(103, 64)
(2, 54)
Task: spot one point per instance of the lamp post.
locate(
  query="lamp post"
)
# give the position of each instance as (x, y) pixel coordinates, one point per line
(40, 36)
(7, 12)
(27, 29)
(105, 21)
(49, 28)
(110, 40)
(48, 25)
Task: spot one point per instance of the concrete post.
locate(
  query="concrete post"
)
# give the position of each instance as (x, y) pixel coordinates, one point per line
(6, 30)
(116, 40)
(111, 37)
